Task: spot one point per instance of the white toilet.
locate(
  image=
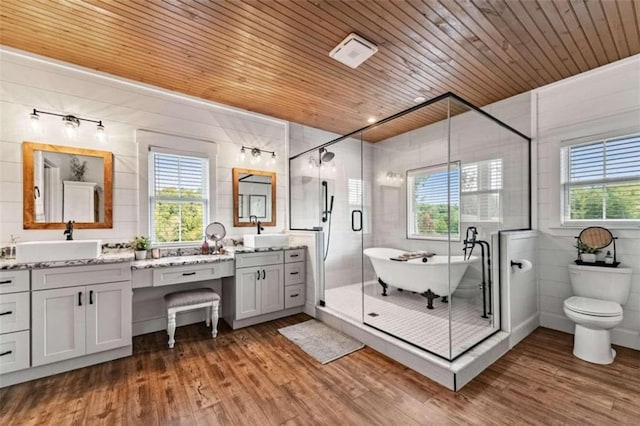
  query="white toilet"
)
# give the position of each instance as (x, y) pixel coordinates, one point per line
(595, 308)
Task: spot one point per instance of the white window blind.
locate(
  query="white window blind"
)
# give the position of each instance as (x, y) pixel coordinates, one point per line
(601, 180)
(480, 187)
(178, 197)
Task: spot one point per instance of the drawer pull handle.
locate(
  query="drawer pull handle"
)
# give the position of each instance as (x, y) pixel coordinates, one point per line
(79, 298)
(295, 295)
(294, 273)
(294, 255)
(258, 274)
(91, 297)
(186, 274)
(264, 274)
(5, 353)
(6, 282)
(6, 313)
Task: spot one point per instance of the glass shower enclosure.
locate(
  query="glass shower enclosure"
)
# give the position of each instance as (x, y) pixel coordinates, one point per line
(410, 209)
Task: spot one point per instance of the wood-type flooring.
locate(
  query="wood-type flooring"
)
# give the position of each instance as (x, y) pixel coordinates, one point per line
(254, 376)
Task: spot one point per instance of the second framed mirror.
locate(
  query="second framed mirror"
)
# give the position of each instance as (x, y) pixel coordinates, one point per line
(254, 197)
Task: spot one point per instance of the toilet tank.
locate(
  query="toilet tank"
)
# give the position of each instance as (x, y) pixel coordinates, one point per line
(598, 282)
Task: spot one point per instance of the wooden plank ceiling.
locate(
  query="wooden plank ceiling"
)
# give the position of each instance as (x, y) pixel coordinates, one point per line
(272, 57)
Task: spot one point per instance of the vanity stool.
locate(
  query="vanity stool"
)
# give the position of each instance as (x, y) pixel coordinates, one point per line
(188, 300)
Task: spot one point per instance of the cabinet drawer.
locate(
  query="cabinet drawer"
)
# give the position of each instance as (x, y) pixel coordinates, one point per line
(14, 351)
(14, 312)
(14, 281)
(294, 273)
(185, 274)
(294, 256)
(245, 260)
(70, 276)
(293, 296)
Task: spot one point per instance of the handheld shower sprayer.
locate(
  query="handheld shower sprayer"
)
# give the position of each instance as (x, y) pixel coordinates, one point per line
(470, 241)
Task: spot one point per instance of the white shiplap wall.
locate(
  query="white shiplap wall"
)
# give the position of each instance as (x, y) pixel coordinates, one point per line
(28, 82)
(602, 102)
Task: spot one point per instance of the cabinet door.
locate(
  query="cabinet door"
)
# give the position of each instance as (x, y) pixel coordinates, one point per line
(248, 292)
(108, 316)
(272, 288)
(58, 324)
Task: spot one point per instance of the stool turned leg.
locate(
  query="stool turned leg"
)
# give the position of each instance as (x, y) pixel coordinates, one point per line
(214, 318)
(208, 315)
(171, 328)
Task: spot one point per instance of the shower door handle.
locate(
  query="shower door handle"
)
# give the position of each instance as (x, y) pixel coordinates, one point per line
(325, 189)
(353, 220)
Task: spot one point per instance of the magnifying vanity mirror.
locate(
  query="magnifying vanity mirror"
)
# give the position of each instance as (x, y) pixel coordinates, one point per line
(593, 239)
(63, 183)
(254, 197)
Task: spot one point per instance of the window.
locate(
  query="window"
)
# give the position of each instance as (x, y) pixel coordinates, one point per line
(480, 188)
(433, 195)
(178, 197)
(601, 181)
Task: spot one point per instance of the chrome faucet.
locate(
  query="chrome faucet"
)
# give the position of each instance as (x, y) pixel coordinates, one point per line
(69, 230)
(257, 222)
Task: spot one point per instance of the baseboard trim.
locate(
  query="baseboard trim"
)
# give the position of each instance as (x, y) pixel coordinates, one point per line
(266, 317)
(39, 372)
(524, 329)
(619, 336)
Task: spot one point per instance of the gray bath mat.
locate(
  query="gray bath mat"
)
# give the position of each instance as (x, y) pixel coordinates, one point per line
(320, 341)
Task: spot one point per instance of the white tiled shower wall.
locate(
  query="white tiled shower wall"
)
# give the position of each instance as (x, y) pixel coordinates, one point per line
(27, 82)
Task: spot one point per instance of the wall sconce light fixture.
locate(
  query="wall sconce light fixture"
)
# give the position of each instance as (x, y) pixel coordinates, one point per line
(393, 177)
(71, 124)
(256, 153)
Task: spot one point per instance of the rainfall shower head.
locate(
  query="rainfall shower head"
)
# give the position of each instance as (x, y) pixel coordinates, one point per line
(326, 156)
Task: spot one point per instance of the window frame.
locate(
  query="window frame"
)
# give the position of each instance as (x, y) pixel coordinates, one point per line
(410, 217)
(188, 146)
(566, 185)
(153, 199)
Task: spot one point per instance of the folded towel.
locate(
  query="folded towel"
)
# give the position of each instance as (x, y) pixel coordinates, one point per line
(412, 255)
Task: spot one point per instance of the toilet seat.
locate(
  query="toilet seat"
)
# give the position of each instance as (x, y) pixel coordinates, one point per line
(593, 307)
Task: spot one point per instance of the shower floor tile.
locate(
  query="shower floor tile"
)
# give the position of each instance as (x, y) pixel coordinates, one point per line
(404, 315)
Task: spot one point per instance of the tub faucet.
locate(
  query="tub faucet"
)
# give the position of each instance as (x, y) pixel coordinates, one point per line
(257, 222)
(470, 241)
(69, 230)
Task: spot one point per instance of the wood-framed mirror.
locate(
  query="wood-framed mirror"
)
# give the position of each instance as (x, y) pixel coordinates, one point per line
(62, 183)
(254, 197)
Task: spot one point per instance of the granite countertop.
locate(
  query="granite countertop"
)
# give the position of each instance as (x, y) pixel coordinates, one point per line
(181, 261)
(6, 264)
(258, 250)
(127, 256)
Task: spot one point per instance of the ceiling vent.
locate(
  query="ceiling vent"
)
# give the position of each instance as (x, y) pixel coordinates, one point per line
(353, 50)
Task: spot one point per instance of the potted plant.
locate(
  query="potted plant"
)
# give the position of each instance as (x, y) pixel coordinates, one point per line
(140, 245)
(587, 253)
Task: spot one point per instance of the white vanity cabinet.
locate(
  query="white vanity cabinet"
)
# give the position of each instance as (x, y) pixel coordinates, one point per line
(262, 287)
(71, 320)
(14, 321)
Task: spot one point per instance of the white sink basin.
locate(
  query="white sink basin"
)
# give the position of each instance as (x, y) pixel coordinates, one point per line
(48, 251)
(266, 240)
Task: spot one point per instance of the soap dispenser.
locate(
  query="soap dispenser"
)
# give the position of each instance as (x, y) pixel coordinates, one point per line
(608, 259)
(204, 249)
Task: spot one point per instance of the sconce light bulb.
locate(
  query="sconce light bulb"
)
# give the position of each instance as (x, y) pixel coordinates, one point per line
(71, 124)
(273, 158)
(36, 126)
(101, 133)
(242, 154)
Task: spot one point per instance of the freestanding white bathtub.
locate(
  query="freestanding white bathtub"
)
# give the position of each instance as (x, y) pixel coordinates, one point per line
(427, 278)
